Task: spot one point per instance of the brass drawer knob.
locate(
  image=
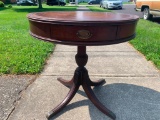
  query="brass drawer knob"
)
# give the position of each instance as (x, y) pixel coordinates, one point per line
(84, 34)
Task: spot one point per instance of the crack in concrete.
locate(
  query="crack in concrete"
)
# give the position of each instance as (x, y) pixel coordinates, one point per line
(15, 103)
(108, 75)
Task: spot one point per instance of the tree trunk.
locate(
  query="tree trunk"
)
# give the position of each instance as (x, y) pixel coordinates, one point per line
(58, 2)
(39, 4)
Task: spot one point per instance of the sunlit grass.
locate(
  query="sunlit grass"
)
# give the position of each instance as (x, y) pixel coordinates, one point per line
(147, 41)
(19, 52)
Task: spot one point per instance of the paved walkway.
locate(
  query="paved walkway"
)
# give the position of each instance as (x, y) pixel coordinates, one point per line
(82, 8)
(131, 91)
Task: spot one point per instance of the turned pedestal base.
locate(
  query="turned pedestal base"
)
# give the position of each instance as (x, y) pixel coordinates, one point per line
(81, 77)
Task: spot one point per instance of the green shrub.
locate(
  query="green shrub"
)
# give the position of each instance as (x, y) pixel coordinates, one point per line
(1, 4)
(9, 6)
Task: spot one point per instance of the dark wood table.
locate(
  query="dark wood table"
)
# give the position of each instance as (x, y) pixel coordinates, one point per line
(82, 29)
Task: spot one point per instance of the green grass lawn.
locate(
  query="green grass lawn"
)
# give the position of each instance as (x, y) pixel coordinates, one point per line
(147, 41)
(19, 52)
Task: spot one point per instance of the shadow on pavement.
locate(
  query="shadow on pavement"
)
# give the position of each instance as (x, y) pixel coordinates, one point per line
(127, 101)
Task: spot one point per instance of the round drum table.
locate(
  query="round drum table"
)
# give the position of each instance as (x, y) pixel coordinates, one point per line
(82, 29)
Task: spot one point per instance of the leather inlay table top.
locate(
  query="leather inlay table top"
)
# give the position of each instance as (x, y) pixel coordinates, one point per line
(79, 16)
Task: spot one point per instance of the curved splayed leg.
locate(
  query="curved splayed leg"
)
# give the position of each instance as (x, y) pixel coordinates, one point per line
(66, 100)
(86, 86)
(67, 83)
(97, 83)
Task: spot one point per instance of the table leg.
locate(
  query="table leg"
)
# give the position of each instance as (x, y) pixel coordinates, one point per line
(67, 99)
(86, 84)
(97, 83)
(67, 83)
